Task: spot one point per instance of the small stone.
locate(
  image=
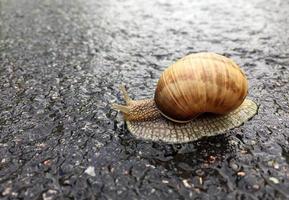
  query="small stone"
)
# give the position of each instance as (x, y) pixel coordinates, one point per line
(3, 145)
(241, 173)
(233, 142)
(165, 181)
(151, 166)
(54, 96)
(186, 183)
(40, 145)
(126, 172)
(276, 166)
(197, 190)
(274, 180)
(212, 159)
(14, 194)
(78, 67)
(7, 191)
(47, 162)
(244, 151)
(256, 187)
(270, 163)
(90, 171)
(111, 169)
(253, 142)
(49, 195)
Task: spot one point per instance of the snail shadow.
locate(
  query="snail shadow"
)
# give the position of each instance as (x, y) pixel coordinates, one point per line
(185, 159)
(180, 159)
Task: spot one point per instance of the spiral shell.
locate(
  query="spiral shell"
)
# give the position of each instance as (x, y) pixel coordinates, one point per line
(199, 83)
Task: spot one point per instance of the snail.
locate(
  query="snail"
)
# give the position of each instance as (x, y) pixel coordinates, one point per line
(200, 95)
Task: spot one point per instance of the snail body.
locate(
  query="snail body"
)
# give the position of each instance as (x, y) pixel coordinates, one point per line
(202, 94)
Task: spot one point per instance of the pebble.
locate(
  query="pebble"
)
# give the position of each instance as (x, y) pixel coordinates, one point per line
(276, 166)
(47, 162)
(256, 187)
(212, 159)
(274, 180)
(90, 171)
(241, 173)
(244, 151)
(7, 191)
(273, 163)
(49, 195)
(201, 180)
(186, 183)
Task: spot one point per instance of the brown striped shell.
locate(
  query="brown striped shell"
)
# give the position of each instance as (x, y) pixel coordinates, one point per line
(199, 83)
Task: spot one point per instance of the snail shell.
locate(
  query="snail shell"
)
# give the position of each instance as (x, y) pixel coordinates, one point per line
(205, 84)
(198, 83)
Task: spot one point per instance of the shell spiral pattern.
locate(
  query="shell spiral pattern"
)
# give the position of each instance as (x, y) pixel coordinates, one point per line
(198, 83)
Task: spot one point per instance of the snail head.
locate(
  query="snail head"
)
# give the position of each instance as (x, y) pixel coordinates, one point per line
(137, 110)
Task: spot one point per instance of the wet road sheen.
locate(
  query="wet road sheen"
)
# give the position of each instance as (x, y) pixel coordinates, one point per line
(61, 63)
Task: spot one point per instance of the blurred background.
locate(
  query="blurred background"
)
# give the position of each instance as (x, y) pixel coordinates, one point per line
(61, 63)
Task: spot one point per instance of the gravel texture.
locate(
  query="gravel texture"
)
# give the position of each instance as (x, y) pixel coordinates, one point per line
(61, 63)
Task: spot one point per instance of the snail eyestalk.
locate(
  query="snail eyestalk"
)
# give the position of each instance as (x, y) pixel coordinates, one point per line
(125, 94)
(140, 110)
(122, 108)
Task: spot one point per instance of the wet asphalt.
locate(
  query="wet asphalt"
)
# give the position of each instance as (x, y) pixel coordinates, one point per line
(61, 63)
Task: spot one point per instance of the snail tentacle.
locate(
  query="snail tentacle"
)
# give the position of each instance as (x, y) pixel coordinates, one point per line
(137, 110)
(123, 108)
(127, 98)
